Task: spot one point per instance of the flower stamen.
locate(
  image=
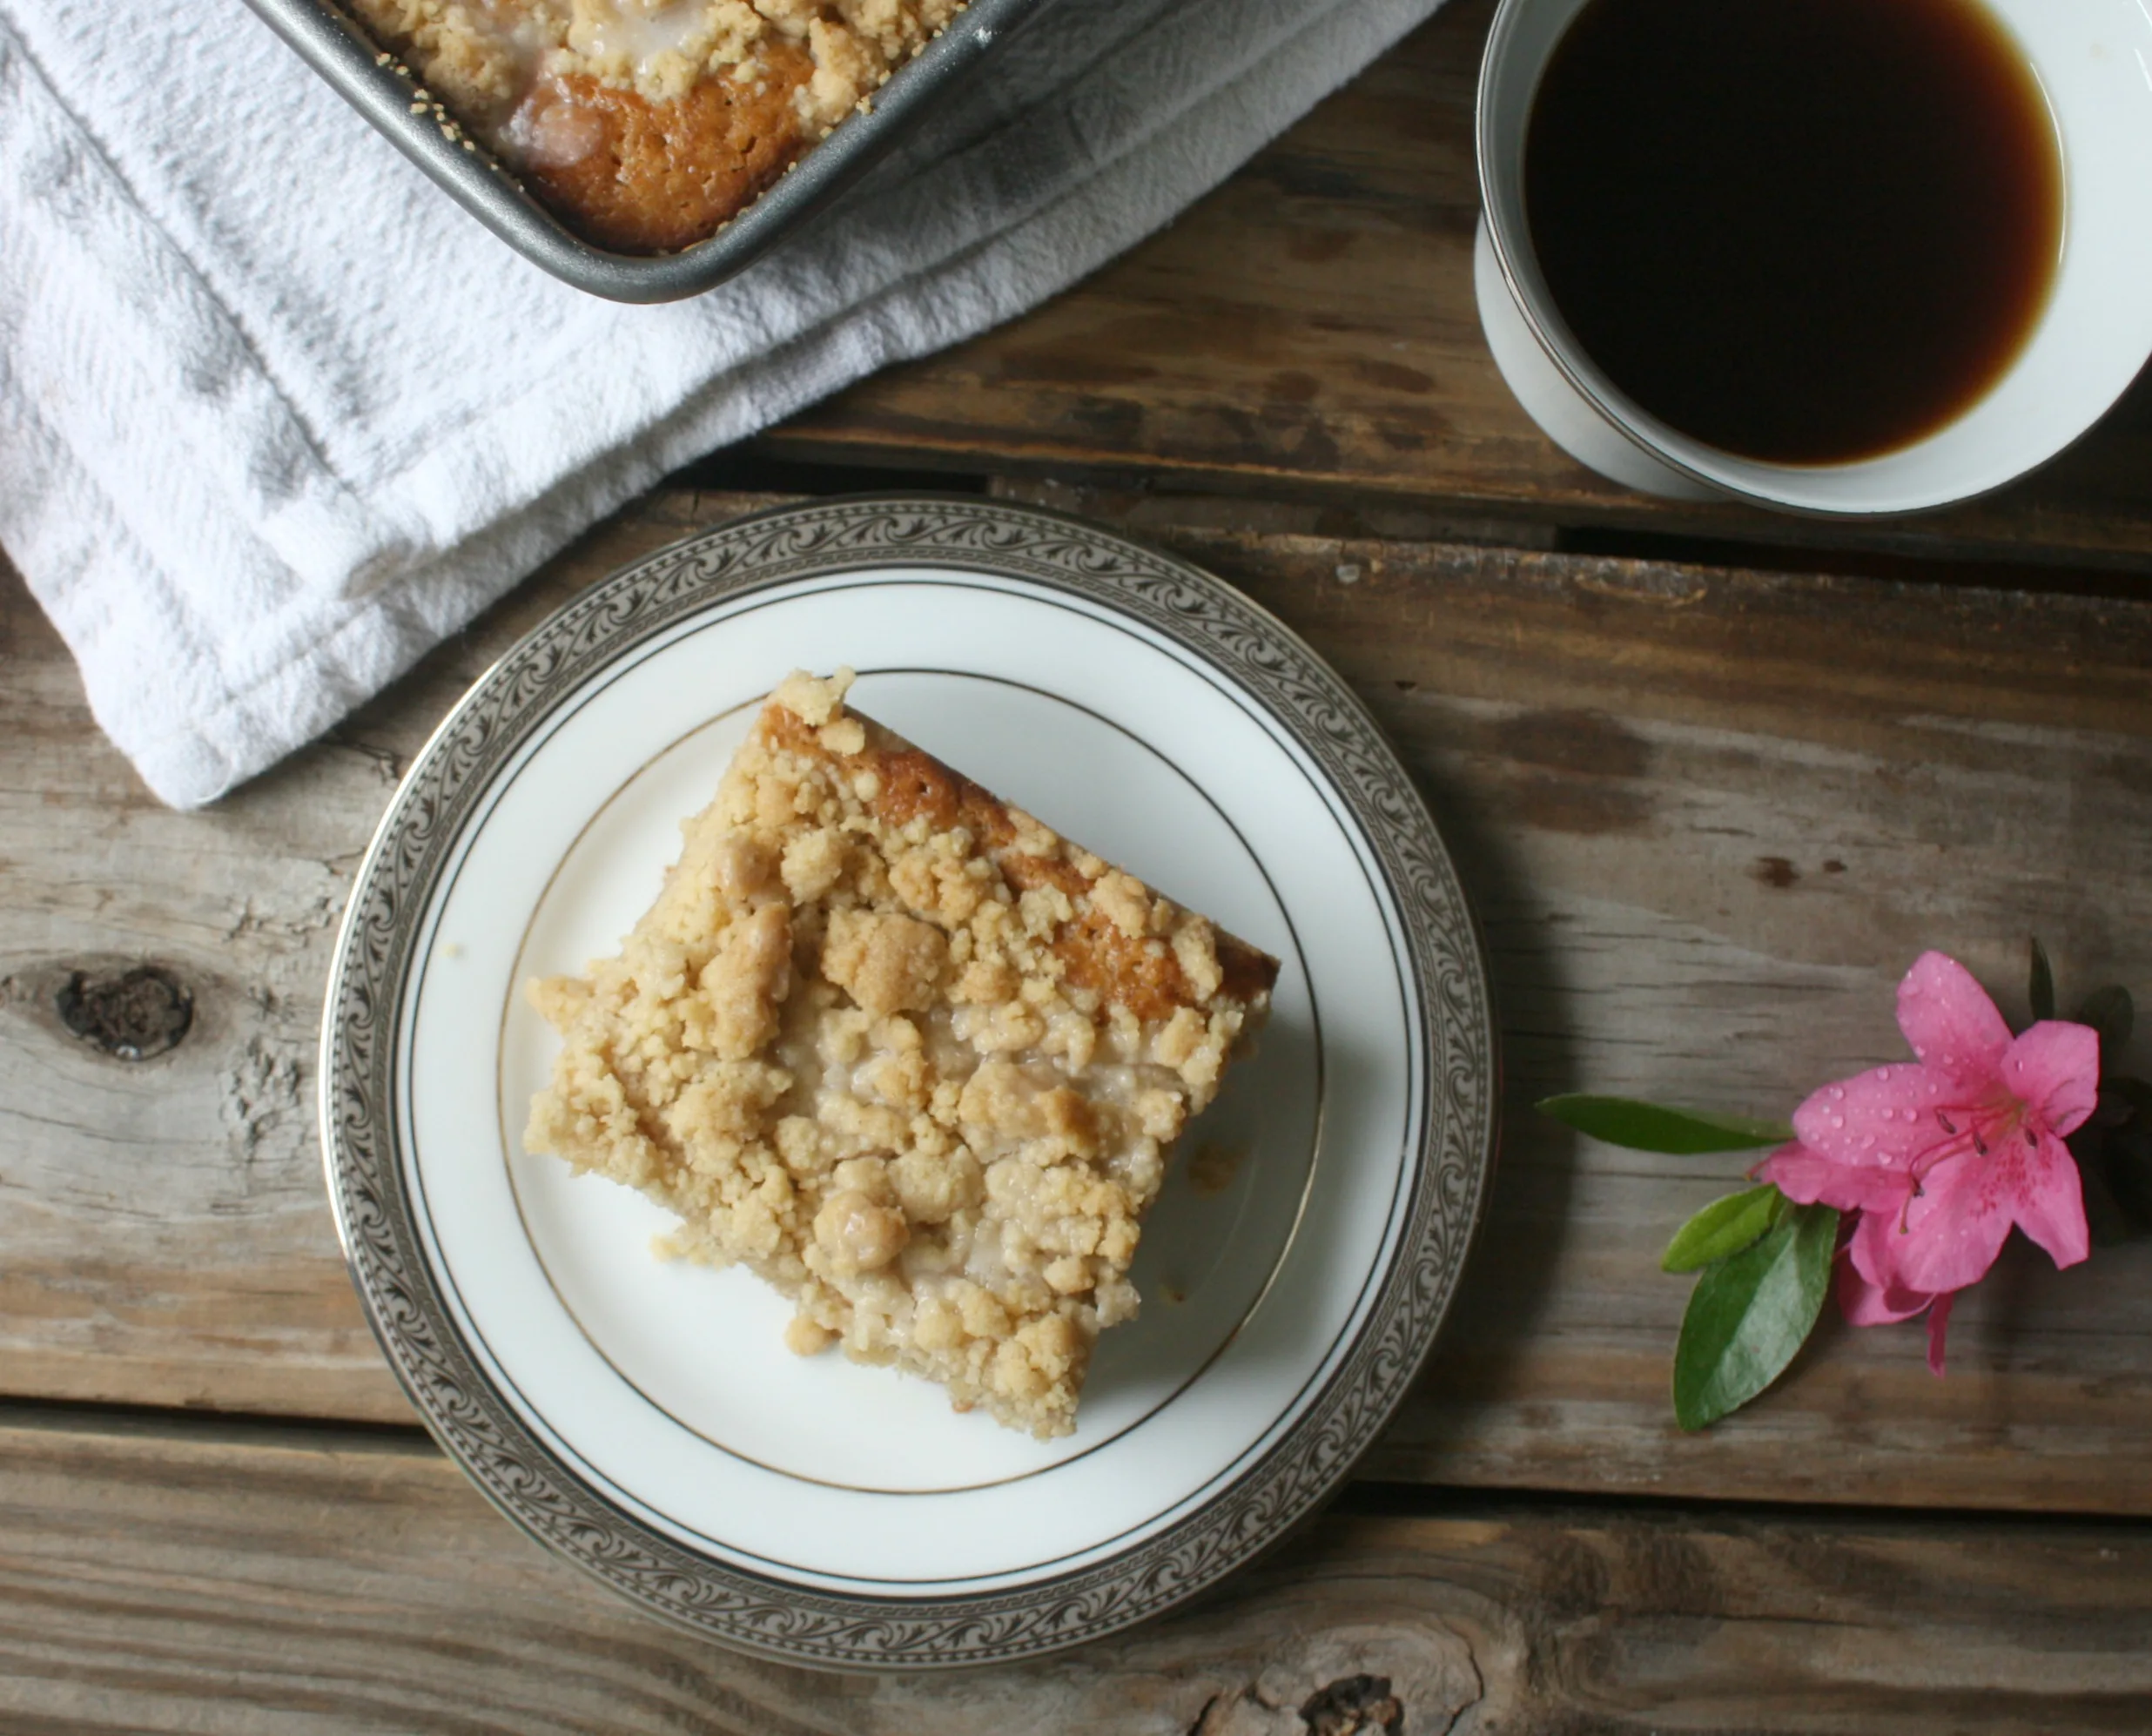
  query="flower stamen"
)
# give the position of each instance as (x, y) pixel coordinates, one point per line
(1942, 1151)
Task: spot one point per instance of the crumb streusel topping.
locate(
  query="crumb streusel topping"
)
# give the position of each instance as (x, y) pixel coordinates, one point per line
(652, 121)
(904, 1052)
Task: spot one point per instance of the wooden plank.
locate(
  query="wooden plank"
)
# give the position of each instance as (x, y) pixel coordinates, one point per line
(166, 1238)
(1708, 818)
(1708, 815)
(1310, 328)
(158, 1581)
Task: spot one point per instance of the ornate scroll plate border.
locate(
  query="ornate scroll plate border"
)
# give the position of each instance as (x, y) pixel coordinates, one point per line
(374, 954)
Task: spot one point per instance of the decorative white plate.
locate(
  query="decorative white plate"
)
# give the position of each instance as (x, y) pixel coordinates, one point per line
(642, 1418)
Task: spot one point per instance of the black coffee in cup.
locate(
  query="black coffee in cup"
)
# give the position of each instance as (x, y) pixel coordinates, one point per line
(1807, 232)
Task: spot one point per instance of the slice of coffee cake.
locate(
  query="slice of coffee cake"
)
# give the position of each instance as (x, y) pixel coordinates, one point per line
(902, 1051)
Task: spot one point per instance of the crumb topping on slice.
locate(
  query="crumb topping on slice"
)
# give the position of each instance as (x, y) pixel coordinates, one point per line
(905, 1052)
(651, 122)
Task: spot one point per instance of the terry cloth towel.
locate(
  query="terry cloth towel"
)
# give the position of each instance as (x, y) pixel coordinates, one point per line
(276, 417)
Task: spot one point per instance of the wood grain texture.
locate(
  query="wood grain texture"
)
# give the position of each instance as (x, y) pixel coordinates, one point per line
(1310, 328)
(246, 1581)
(165, 1238)
(1708, 818)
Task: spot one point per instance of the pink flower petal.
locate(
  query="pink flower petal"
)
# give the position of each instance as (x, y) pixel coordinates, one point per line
(2049, 1203)
(1948, 1019)
(1884, 1118)
(1806, 1177)
(2055, 1068)
(1958, 1224)
(1939, 1319)
(1874, 1250)
(1867, 1304)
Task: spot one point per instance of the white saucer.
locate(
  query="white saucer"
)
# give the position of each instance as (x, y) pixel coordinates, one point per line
(642, 1418)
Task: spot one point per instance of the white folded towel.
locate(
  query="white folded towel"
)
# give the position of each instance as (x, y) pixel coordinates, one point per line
(275, 416)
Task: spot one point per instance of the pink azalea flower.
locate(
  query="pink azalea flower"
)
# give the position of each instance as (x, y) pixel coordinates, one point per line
(1942, 1156)
(1867, 1304)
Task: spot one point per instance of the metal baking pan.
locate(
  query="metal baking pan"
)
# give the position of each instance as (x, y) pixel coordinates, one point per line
(342, 51)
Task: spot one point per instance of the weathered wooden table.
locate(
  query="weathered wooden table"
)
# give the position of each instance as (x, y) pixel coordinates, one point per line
(1715, 779)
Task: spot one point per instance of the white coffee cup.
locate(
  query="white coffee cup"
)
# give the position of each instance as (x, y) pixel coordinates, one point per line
(2094, 60)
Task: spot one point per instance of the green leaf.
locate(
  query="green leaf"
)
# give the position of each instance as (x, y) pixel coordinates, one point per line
(1653, 1127)
(2041, 990)
(1723, 1228)
(2134, 1093)
(1750, 1315)
(2108, 1221)
(2111, 1012)
(2128, 1172)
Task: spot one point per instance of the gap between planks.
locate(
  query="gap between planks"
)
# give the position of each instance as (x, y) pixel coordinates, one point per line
(159, 1577)
(1308, 331)
(1690, 801)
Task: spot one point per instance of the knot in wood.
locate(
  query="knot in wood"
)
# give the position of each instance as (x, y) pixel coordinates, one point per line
(131, 1016)
(1358, 1706)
